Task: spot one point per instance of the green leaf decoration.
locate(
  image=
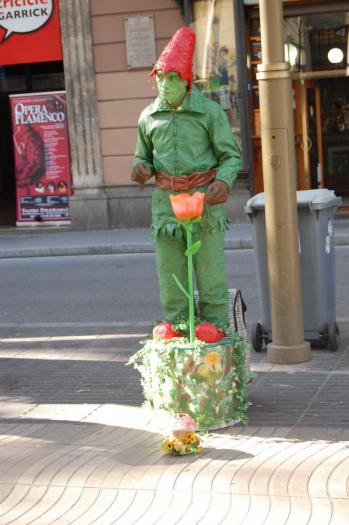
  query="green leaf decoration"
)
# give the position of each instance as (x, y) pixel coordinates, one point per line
(180, 286)
(194, 248)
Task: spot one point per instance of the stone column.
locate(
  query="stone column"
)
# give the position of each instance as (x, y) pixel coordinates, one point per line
(88, 205)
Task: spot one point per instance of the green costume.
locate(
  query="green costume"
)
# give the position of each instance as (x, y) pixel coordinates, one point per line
(195, 137)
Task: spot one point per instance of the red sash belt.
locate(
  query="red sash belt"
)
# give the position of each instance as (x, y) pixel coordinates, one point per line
(184, 182)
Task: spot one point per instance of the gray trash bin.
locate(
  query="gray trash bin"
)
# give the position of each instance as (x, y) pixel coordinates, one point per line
(316, 209)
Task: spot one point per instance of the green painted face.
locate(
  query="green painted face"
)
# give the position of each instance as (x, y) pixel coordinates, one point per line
(171, 87)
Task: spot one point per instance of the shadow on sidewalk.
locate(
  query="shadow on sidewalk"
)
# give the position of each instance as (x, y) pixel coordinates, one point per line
(75, 379)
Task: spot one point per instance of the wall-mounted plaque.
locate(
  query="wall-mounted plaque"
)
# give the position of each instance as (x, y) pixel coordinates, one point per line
(140, 41)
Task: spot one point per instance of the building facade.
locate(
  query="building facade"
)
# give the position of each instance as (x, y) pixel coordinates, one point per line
(122, 90)
(108, 47)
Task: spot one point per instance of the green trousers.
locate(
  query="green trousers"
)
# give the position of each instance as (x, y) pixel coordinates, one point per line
(210, 275)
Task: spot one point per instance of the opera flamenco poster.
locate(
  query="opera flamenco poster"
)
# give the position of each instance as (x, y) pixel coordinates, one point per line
(41, 150)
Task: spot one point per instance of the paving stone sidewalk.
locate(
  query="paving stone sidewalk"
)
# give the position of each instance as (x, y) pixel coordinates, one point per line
(77, 448)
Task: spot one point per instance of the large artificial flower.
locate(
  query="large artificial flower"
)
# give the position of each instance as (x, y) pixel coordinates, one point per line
(187, 207)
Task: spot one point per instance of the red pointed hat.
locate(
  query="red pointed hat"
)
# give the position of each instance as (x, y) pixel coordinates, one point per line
(178, 55)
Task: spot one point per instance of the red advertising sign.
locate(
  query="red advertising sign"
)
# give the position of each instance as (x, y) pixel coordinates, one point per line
(29, 31)
(41, 146)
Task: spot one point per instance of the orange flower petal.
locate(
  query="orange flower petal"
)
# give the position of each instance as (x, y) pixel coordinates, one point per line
(199, 199)
(179, 197)
(187, 207)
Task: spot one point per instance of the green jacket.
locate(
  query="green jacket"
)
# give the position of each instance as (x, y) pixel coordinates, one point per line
(194, 137)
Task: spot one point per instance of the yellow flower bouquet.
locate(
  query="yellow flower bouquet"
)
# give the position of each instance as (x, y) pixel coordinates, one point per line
(189, 443)
(183, 439)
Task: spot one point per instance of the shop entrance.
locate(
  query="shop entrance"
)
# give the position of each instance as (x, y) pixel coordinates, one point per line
(323, 127)
(7, 179)
(26, 78)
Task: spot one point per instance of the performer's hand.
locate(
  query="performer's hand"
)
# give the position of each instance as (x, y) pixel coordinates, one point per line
(217, 192)
(141, 173)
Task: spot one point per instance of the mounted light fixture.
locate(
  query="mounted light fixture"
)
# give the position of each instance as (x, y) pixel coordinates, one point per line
(291, 53)
(335, 55)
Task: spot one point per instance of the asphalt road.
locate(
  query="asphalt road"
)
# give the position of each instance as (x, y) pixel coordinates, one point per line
(114, 290)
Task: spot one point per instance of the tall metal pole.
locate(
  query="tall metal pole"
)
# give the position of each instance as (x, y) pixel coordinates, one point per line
(279, 169)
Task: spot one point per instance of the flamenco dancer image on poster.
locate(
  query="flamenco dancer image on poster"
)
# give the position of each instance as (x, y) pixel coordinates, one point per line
(185, 142)
(30, 156)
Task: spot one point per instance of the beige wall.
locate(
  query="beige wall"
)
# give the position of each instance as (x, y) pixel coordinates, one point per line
(123, 93)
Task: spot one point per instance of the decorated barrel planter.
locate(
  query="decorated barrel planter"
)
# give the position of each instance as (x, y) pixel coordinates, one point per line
(208, 381)
(195, 371)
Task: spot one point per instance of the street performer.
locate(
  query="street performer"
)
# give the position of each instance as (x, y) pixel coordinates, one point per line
(185, 141)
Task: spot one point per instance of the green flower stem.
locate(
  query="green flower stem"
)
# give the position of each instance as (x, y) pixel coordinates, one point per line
(189, 228)
(191, 250)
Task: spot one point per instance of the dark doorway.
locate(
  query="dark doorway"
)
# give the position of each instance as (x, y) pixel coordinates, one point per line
(23, 78)
(335, 130)
(7, 179)
(323, 123)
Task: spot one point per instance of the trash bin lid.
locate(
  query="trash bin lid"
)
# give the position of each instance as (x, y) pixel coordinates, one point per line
(318, 199)
(255, 203)
(314, 199)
